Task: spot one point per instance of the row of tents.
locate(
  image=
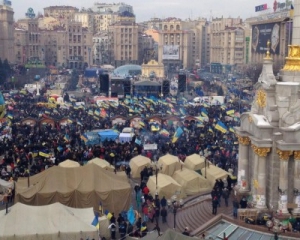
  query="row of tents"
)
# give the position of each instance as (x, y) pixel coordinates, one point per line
(177, 177)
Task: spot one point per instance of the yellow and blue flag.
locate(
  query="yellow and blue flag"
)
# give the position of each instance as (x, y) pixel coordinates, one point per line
(177, 134)
(43, 154)
(84, 138)
(221, 127)
(67, 138)
(231, 129)
(95, 221)
(204, 112)
(230, 111)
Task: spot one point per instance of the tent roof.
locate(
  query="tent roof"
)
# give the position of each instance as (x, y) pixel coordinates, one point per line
(69, 164)
(168, 159)
(101, 162)
(50, 219)
(139, 161)
(163, 180)
(194, 162)
(76, 187)
(213, 173)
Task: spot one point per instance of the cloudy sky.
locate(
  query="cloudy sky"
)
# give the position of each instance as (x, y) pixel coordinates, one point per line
(145, 10)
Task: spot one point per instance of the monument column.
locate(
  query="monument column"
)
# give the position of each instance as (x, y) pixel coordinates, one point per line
(261, 153)
(296, 23)
(297, 181)
(243, 166)
(284, 157)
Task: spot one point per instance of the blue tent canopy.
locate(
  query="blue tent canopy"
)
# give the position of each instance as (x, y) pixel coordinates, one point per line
(108, 135)
(93, 138)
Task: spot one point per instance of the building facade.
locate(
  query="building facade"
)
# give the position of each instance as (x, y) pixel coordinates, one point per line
(123, 37)
(7, 33)
(112, 7)
(227, 43)
(63, 13)
(101, 49)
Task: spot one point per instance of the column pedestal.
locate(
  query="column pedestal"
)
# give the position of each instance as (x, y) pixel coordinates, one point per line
(260, 182)
(297, 181)
(243, 166)
(284, 157)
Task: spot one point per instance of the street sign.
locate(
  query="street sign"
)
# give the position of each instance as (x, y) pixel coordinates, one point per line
(150, 146)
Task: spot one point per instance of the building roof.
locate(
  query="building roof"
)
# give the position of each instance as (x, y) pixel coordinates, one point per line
(125, 69)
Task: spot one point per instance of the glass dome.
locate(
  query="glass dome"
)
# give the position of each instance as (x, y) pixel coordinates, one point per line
(128, 70)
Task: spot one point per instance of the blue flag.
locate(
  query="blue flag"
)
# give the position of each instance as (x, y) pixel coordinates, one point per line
(131, 215)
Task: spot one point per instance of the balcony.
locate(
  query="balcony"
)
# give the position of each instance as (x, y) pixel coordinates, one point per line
(76, 58)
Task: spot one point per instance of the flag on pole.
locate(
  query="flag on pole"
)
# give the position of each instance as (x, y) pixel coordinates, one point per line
(177, 134)
(95, 221)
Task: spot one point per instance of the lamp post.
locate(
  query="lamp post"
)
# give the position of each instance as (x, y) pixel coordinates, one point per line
(157, 166)
(206, 155)
(174, 204)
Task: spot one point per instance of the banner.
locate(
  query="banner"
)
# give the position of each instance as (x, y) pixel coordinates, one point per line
(213, 100)
(263, 33)
(170, 52)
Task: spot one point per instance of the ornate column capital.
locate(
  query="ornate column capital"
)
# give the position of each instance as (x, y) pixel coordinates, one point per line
(284, 155)
(243, 140)
(297, 155)
(262, 152)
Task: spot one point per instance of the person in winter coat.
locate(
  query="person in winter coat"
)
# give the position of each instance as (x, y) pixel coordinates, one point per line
(215, 204)
(164, 214)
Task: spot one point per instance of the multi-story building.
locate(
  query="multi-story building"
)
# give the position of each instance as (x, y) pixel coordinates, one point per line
(227, 43)
(48, 23)
(276, 27)
(63, 13)
(112, 7)
(103, 20)
(101, 49)
(175, 45)
(123, 37)
(147, 48)
(63, 46)
(7, 33)
(86, 18)
(27, 44)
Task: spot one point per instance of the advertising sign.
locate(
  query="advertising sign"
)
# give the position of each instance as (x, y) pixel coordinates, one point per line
(263, 33)
(170, 52)
(30, 13)
(261, 7)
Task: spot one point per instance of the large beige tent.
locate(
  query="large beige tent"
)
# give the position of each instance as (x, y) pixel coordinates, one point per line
(166, 186)
(170, 164)
(51, 222)
(79, 187)
(102, 163)
(192, 182)
(213, 173)
(137, 164)
(69, 164)
(194, 162)
(103, 227)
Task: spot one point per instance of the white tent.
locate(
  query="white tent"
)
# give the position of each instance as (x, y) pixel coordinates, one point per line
(192, 182)
(194, 162)
(166, 186)
(69, 164)
(54, 221)
(170, 164)
(102, 163)
(137, 164)
(4, 185)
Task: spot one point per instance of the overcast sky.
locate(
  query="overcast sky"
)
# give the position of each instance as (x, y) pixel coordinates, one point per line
(145, 10)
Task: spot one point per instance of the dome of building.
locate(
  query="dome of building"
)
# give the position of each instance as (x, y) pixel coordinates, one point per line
(128, 70)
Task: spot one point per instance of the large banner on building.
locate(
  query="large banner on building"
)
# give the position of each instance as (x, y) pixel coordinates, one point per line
(263, 33)
(170, 52)
(210, 100)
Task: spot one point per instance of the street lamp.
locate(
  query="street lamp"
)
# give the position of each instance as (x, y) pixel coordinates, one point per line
(174, 204)
(157, 166)
(206, 155)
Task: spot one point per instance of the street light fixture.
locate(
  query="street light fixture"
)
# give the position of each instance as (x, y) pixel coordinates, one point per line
(157, 167)
(206, 155)
(174, 204)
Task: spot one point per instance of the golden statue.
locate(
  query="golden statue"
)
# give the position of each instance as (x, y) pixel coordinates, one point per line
(268, 55)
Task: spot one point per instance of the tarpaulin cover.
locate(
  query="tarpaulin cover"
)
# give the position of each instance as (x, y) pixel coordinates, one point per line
(213, 173)
(194, 162)
(166, 186)
(78, 187)
(192, 182)
(137, 164)
(51, 222)
(170, 164)
(108, 135)
(169, 234)
(102, 163)
(69, 164)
